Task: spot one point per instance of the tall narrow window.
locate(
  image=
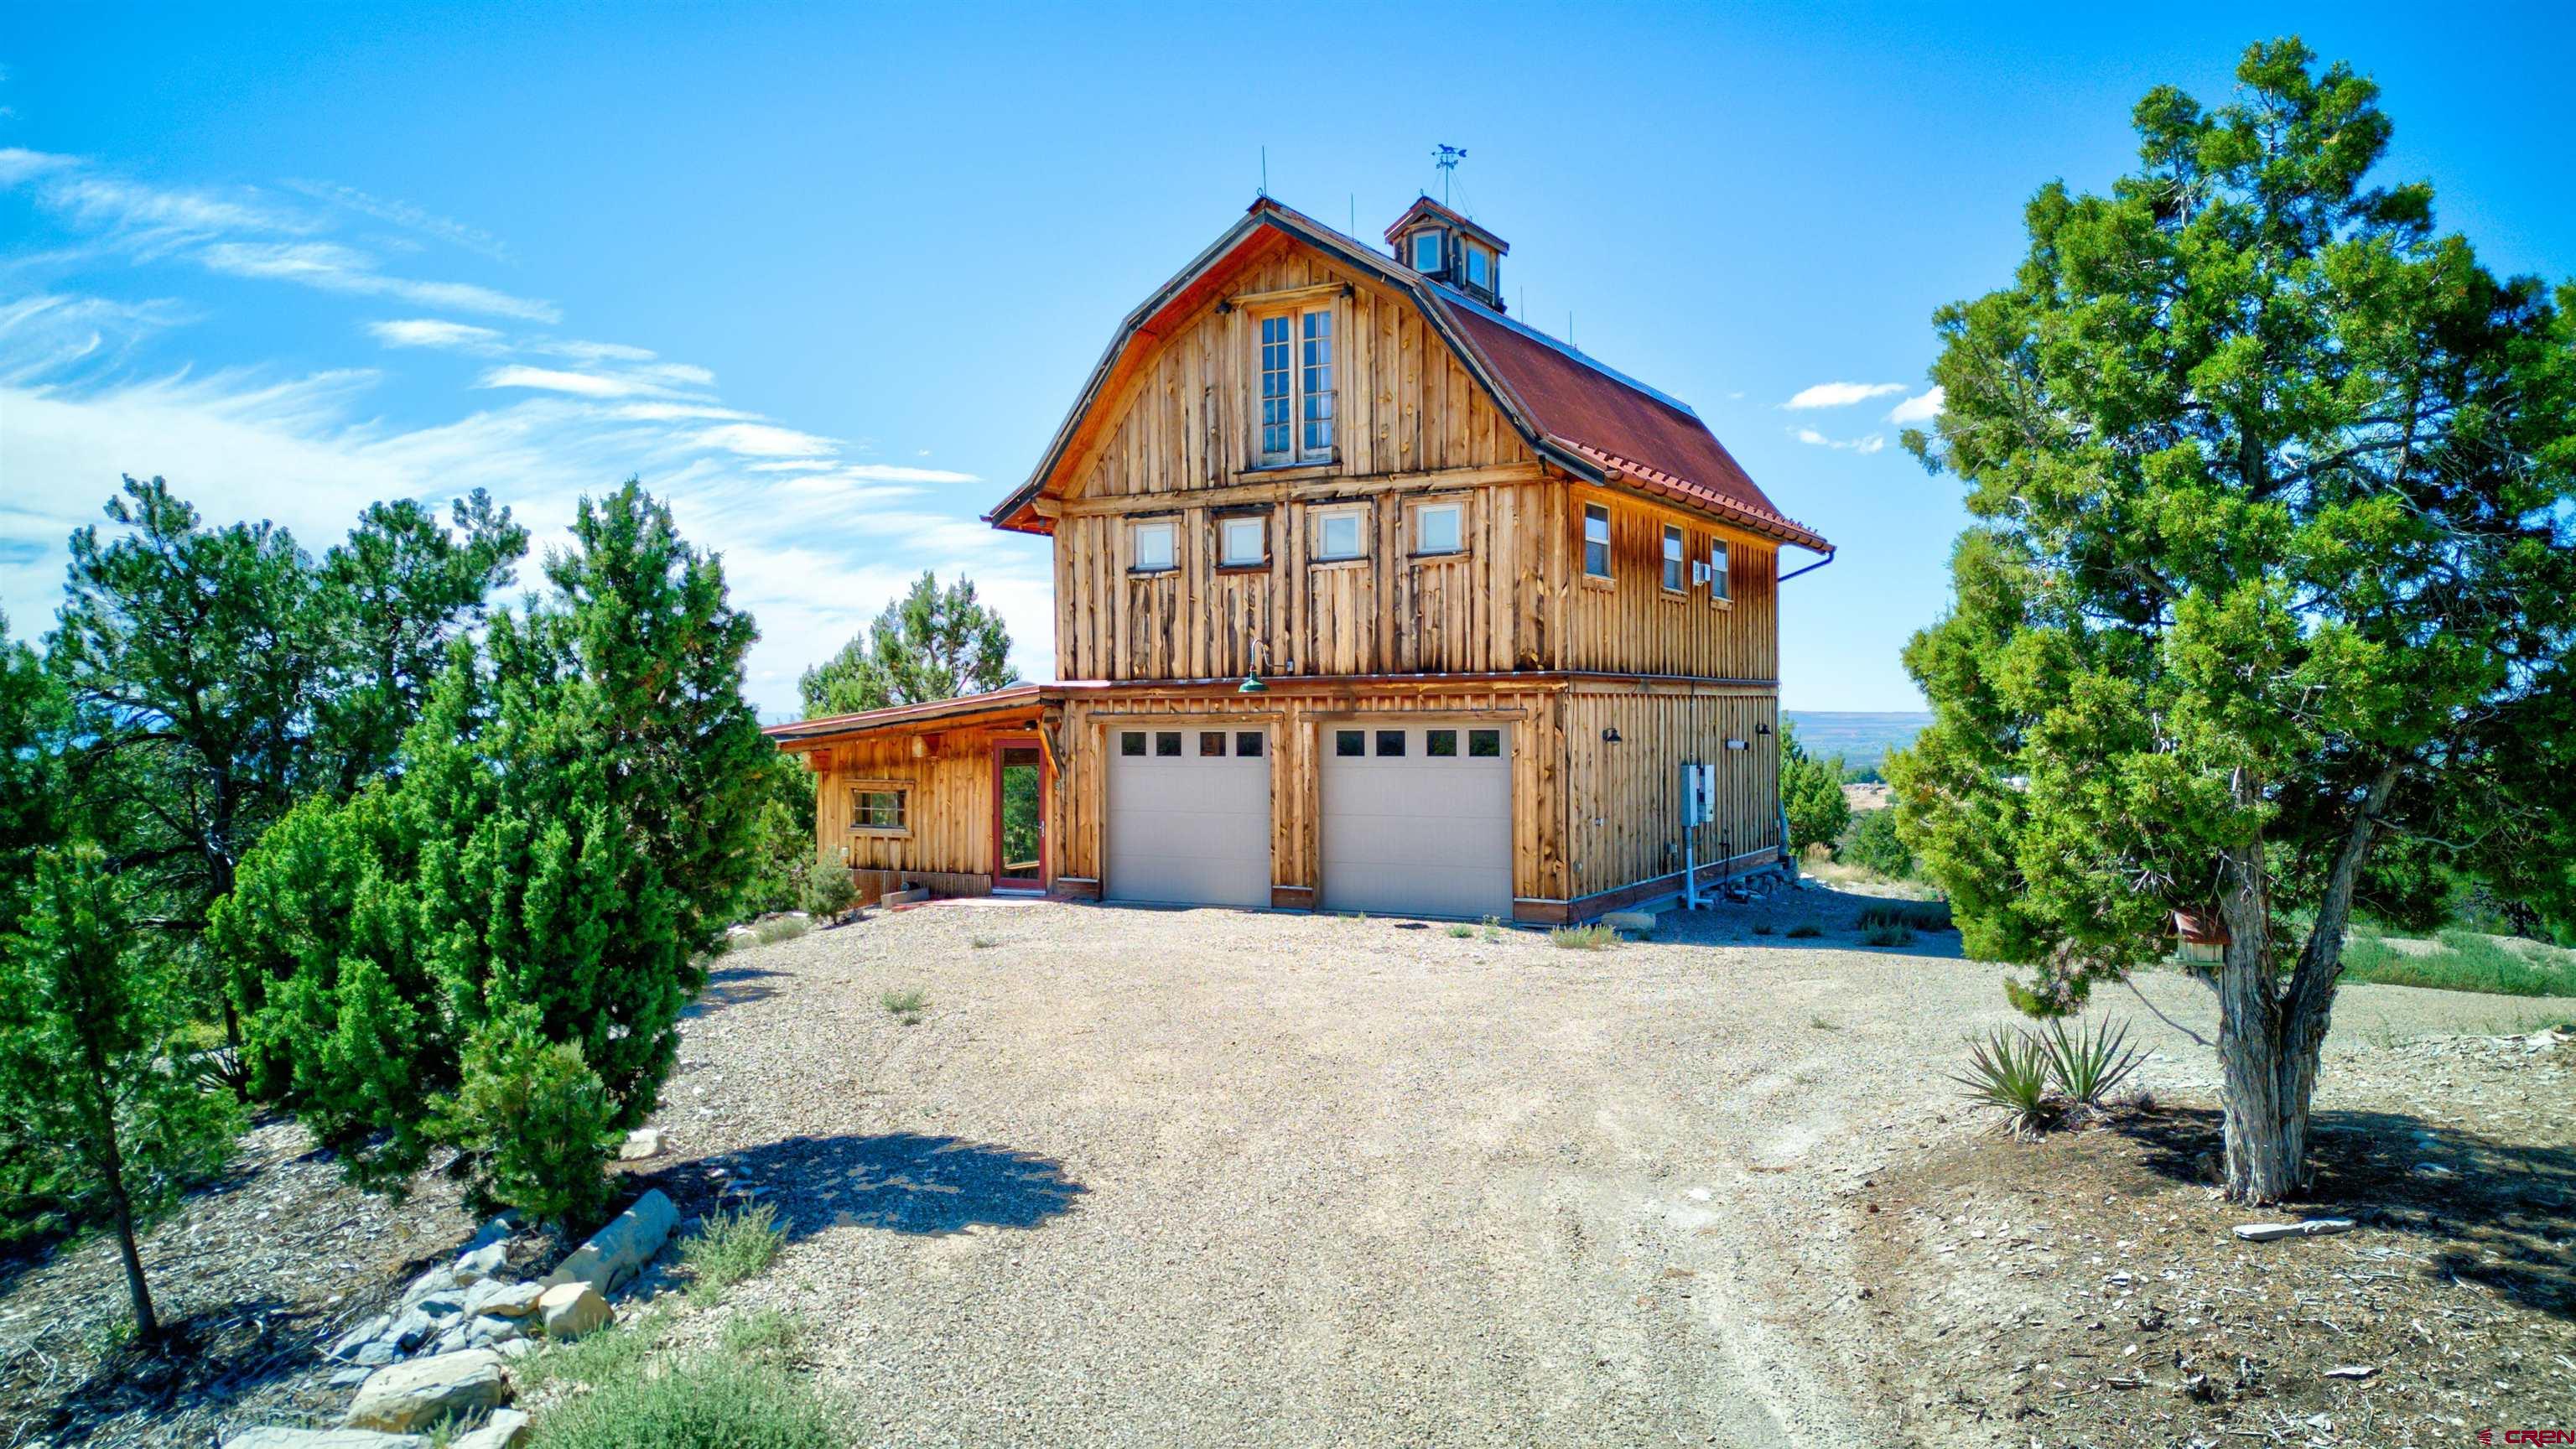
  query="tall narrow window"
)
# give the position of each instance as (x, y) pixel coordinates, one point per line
(1426, 251)
(1717, 561)
(1480, 266)
(1277, 406)
(1596, 540)
(1672, 558)
(1315, 384)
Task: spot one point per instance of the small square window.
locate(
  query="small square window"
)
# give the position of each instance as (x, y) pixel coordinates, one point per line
(1596, 540)
(1436, 528)
(1440, 744)
(1339, 535)
(876, 809)
(1131, 742)
(1347, 743)
(1484, 744)
(1153, 547)
(1247, 744)
(1167, 744)
(1390, 744)
(1718, 587)
(1242, 542)
(1672, 558)
(1211, 742)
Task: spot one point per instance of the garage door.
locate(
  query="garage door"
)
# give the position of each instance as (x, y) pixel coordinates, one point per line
(1418, 819)
(1189, 816)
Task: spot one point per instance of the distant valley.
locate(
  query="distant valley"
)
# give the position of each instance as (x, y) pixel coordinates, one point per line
(1863, 739)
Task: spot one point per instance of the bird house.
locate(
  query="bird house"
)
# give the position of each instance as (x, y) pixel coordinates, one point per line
(2199, 937)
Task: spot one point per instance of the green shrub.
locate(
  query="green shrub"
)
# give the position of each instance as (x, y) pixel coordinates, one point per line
(1805, 931)
(594, 1358)
(1908, 915)
(2086, 1065)
(1583, 938)
(780, 928)
(983, 943)
(539, 1120)
(1872, 844)
(1891, 934)
(906, 1005)
(829, 888)
(729, 1247)
(2008, 1071)
(1762, 928)
(2466, 961)
(764, 1334)
(1461, 933)
(1493, 928)
(705, 1402)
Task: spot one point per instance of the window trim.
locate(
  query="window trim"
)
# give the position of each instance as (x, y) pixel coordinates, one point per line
(1261, 558)
(901, 790)
(1609, 552)
(1315, 517)
(1298, 455)
(1675, 575)
(1135, 530)
(1413, 528)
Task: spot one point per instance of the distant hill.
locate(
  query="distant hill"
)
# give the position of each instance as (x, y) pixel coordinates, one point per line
(1862, 739)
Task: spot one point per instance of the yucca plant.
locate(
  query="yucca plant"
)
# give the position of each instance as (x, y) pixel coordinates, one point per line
(2087, 1064)
(2009, 1071)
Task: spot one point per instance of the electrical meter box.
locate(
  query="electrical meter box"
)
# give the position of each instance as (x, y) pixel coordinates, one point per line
(1699, 793)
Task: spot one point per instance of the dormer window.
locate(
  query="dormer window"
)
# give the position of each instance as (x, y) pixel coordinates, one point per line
(1450, 248)
(1426, 257)
(1480, 266)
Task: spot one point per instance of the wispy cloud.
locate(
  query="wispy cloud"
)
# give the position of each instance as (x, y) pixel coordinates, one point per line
(432, 332)
(17, 164)
(581, 384)
(336, 268)
(1841, 394)
(407, 216)
(766, 440)
(1921, 408)
(1869, 443)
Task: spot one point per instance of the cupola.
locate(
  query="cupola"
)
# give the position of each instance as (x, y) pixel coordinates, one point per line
(1448, 248)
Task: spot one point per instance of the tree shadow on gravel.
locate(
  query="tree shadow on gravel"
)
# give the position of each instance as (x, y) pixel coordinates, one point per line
(206, 1360)
(905, 1182)
(732, 986)
(2500, 1214)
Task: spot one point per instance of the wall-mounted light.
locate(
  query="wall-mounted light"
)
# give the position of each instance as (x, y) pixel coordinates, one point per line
(1761, 729)
(1738, 745)
(1610, 736)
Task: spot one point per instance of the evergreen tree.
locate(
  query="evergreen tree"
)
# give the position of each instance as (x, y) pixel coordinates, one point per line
(1811, 793)
(932, 643)
(88, 1072)
(492, 949)
(2273, 566)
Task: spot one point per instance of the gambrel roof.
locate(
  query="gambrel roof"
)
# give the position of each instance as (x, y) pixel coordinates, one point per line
(1573, 411)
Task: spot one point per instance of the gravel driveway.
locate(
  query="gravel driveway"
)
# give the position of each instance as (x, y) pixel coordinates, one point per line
(1158, 1177)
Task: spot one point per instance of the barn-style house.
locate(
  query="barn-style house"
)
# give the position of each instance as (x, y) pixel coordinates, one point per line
(1368, 598)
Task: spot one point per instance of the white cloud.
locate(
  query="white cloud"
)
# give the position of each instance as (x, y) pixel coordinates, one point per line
(593, 351)
(1865, 445)
(404, 214)
(891, 473)
(336, 268)
(1921, 408)
(663, 412)
(764, 440)
(1841, 394)
(431, 332)
(17, 164)
(581, 384)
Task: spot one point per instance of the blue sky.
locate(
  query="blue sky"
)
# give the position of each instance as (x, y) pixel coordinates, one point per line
(828, 277)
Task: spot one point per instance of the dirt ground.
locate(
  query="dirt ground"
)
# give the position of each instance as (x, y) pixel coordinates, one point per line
(1158, 1177)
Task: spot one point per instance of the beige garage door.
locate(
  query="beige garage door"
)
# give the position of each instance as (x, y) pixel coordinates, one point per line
(1189, 816)
(1418, 819)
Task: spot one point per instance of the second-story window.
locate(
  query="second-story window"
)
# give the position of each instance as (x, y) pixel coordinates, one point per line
(1673, 558)
(1297, 395)
(1596, 540)
(1437, 528)
(1717, 583)
(1242, 542)
(1152, 547)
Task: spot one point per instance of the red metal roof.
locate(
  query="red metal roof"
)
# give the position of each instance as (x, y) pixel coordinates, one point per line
(1010, 697)
(1623, 427)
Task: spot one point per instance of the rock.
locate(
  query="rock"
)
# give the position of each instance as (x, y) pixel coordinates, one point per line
(409, 1332)
(495, 1229)
(619, 1251)
(516, 1348)
(2313, 1227)
(323, 1439)
(350, 1377)
(2351, 1371)
(360, 1336)
(504, 1300)
(474, 1266)
(573, 1309)
(407, 1396)
(486, 1331)
(506, 1429)
(641, 1143)
(377, 1354)
(436, 1280)
(443, 1305)
(1629, 920)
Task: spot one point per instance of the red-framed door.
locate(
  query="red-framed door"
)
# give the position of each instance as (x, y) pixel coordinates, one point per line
(1022, 854)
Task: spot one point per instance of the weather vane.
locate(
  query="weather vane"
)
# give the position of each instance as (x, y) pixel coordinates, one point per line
(1447, 159)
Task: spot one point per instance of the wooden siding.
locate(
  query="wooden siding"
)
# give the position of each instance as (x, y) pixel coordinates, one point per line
(948, 811)
(1634, 623)
(1626, 826)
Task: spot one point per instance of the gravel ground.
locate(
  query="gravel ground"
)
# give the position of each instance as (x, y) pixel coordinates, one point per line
(1151, 1177)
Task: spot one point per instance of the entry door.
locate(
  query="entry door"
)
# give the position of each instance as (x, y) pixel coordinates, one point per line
(1189, 815)
(1019, 816)
(1418, 818)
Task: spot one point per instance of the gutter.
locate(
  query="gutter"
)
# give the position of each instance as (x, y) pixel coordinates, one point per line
(1806, 569)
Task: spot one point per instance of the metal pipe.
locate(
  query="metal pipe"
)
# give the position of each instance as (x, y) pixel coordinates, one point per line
(1811, 568)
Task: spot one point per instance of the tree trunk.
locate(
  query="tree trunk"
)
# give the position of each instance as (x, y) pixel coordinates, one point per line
(147, 1324)
(2266, 1108)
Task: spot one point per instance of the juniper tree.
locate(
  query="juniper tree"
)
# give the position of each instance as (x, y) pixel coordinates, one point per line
(1811, 794)
(932, 643)
(2272, 569)
(492, 949)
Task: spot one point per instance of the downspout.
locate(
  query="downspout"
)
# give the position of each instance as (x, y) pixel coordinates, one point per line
(1810, 568)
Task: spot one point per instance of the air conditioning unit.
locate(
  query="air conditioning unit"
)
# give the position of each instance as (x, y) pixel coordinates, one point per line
(1699, 570)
